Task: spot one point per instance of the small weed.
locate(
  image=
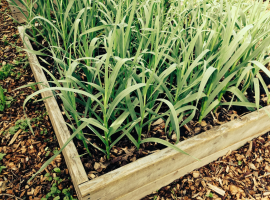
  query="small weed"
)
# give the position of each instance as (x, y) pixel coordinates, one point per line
(44, 131)
(5, 71)
(19, 124)
(33, 88)
(18, 76)
(55, 192)
(47, 140)
(2, 99)
(173, 193)
(1, 158)
(57, 170)
(22, 124)
(5, 40)
(239, 162)
(16, 62)
(38, 118)
(5, 102)
(48, 153)
(49, 178)
(209, 195)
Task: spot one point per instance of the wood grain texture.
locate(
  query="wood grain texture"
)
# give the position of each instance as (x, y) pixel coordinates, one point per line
(16, 8)
(70, 153)
(19, 17)
(150, 173)
(165, 180)
(16, 13)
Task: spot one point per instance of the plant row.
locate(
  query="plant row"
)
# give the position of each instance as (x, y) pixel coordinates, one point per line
(120, 65)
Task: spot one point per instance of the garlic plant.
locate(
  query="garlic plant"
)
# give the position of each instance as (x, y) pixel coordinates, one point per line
(124, 61)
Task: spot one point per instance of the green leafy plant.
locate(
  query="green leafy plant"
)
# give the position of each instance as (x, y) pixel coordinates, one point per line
(44, 131)
(6, 71)
(23, 124)
(57, 170)
(210, 195)
(1, 158)
(5, 102)
(19, 124)
(125, 64)
(5, 40)
(2, 99)
(56, 193)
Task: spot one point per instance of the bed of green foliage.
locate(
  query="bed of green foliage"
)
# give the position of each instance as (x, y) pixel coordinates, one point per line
(128, 63)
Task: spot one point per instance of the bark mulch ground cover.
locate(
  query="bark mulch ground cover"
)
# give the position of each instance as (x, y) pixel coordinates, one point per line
(241, 174)
(24, 152)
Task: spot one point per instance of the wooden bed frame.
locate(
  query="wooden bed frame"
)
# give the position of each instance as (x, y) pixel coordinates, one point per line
(140, 178)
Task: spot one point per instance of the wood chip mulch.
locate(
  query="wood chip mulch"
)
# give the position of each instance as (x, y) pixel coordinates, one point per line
(241, 174)
(25, 152)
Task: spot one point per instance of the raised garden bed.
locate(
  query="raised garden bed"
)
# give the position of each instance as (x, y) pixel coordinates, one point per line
(139, 178)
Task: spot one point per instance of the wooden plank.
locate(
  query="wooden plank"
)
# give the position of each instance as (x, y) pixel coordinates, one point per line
(147, 174)
(70, 153)
(165, 180)
(14, 8)
(16, 12)
(19, 17)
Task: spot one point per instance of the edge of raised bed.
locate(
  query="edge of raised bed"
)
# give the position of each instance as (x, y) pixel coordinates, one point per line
(16, 13)
(74, 164)
(146, 175)
(140, 178)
